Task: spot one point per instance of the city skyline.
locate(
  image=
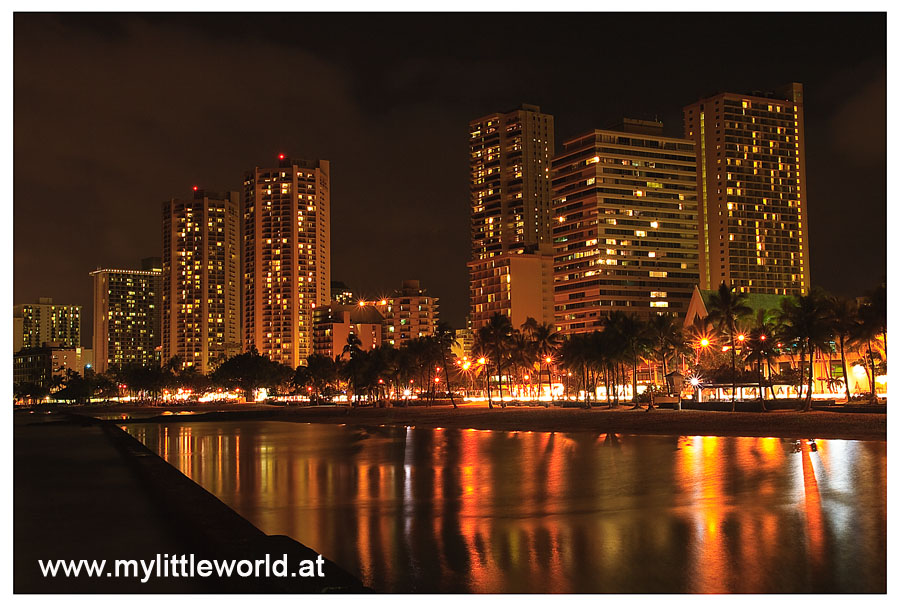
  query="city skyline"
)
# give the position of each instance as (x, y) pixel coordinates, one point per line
(416, 186)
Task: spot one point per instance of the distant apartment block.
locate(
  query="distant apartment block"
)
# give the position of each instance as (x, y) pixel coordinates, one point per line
(200, 279)
(41, 365)
(751, 180)
(625, 225)
(335, 323)
(341, 293)
(45, 322)
(127, 315)
(465, 343)
(409, 313)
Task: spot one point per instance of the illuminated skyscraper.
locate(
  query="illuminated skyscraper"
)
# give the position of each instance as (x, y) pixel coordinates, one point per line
(35, 324)
(625, 226)
(286, 256)
(751, 181)
(201, 273)
(126, 315)
(510, 267)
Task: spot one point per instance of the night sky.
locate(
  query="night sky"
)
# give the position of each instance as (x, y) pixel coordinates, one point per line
(114, 114)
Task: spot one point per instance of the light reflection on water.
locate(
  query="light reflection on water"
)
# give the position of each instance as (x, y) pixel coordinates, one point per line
(487, 511)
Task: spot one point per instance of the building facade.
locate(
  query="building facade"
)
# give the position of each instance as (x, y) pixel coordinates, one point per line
(127, 315)
(35, 324)
(286, 256)
(465, 343)
(341, 293)
(517, 285)
(200, 278)
(409, 313)
(751, 181)
(625, 226)
(335, 323)
(510, 157)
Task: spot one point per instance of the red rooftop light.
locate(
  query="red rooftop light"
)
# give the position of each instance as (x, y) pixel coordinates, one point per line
(195, 188)
(281, 156)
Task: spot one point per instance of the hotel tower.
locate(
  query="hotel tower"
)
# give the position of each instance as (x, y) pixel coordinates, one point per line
(625, 225)
(751, 181)
(286, 256)
(200, 279)
(511, 266)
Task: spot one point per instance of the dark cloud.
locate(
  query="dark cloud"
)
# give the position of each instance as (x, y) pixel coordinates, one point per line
(116, 113)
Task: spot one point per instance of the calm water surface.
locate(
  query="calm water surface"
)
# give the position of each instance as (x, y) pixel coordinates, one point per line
(450, 510)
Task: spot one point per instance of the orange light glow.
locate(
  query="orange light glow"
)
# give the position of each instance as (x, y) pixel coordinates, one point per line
(704, 342)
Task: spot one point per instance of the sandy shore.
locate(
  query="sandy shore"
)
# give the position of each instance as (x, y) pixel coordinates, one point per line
(788, 424)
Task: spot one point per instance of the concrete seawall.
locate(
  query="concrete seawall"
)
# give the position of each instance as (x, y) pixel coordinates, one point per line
(85, 489)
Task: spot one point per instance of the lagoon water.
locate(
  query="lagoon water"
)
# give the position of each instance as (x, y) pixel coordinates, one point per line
(449, 510)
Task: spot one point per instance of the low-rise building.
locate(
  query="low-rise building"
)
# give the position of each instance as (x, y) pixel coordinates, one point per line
(409, 313)
(334, 324)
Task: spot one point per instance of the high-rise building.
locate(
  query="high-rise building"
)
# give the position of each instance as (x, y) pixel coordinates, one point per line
(45, 322)
(200, 279)
(625, 226)
(510, 157)
(126, 315)
(751, 181)
(286, 256)
(409, 313)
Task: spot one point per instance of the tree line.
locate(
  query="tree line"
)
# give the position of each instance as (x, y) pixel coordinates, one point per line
(732, 344)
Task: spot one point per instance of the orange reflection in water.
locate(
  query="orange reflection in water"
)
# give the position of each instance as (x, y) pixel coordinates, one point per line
(815, 527)
(466, 510)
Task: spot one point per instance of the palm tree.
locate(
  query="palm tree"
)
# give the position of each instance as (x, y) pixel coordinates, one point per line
(495, 337)
(520, 354)
(761, 348)
(575, 357)
(868, 329)
(481, 353)
(726, 307)
(632, 332)
(547, 341)
(843, 315)
(667, 339)
(353, 367)
(877, 302)
(805, 321)
(320, 373)
(445, 339)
